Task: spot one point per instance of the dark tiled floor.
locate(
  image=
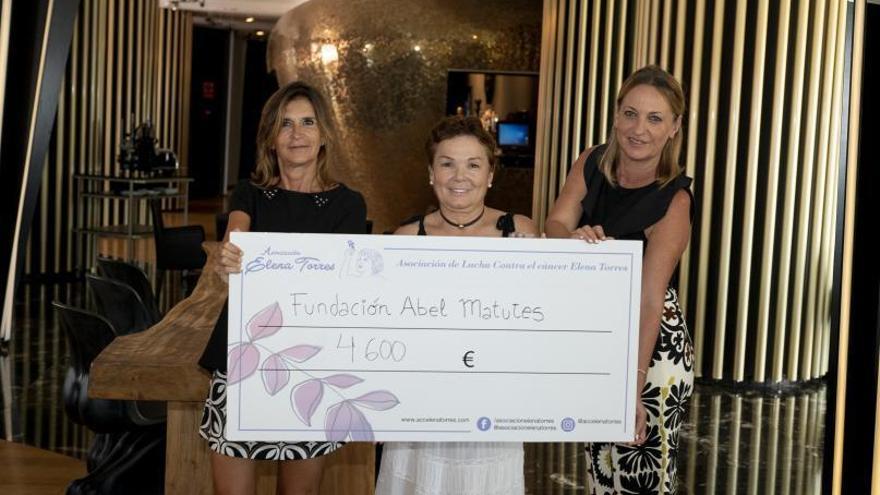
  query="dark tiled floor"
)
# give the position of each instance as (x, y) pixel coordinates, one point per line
(33, 374)
(750, 443)
(731, 443)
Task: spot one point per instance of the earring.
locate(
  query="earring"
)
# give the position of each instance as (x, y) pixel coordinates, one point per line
(430, 182)
(490, 185)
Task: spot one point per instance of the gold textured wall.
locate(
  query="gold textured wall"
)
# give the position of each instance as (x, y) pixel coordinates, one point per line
(764, 84)
(388, 84)
(128, 58)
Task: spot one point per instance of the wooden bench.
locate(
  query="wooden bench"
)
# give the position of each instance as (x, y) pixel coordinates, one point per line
(161, 364)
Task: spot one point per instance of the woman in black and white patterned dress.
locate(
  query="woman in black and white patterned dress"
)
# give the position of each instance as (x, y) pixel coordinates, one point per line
(291, 190)
(633, 188)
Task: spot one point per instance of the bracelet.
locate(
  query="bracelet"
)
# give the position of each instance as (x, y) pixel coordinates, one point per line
(642, 372)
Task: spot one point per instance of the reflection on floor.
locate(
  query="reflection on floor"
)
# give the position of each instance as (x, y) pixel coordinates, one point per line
(33, 374)
(732, 443)
(34, 363)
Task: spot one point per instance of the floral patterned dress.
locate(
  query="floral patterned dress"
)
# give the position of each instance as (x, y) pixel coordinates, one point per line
(652, 467)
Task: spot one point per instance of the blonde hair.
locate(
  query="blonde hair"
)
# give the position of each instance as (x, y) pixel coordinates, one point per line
(669, 167)
(267, 171)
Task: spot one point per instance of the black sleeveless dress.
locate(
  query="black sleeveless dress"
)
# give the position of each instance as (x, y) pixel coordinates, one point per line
(651, 467)
(338, 210)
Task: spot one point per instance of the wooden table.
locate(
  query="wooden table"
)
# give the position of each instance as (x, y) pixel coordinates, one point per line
(161, 364)
(26, 470)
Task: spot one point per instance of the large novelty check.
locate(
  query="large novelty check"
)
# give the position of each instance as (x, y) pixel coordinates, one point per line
(432, 339)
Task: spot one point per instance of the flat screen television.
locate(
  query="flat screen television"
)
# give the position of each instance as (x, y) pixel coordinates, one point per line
(513, 134)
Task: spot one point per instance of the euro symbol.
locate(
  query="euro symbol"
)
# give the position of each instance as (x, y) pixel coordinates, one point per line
(468, 359)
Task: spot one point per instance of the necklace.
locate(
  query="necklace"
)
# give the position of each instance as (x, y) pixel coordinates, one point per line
(462, 225)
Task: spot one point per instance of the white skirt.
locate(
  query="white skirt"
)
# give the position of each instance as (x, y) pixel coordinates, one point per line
(462, 468)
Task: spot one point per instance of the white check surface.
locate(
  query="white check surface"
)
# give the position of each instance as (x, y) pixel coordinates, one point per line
(394, 338)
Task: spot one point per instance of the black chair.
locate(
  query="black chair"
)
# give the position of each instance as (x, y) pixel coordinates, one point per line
(134, 277)
(177, 248)
(127, 454)
(87, 335)
(120, 304)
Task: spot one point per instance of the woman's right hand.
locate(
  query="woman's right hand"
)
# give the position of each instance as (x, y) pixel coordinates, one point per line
(591, 234)
(230, 260)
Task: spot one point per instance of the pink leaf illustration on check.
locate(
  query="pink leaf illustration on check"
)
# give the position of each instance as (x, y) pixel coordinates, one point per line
(275, 374)
(343, 380)
(305, 398)
(265, 323)
(243, 360)
(344, 419)
(300, 353)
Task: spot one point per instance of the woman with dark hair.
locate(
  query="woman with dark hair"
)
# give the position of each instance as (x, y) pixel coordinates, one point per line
(461, 166)
(633, 188)
(291, 190)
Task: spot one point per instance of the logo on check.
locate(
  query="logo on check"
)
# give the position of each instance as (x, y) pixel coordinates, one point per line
(484, 423)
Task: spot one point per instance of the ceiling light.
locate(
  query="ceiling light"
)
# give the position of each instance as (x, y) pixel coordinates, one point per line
(249, 19)
(329, 53)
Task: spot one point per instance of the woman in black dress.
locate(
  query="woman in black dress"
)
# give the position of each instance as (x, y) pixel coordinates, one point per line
(291, 190)
(633, 188)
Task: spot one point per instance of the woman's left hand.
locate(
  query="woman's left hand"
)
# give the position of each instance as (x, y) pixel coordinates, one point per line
(641, 423)
(590, 233)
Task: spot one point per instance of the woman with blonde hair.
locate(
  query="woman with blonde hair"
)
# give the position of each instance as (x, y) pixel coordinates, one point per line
(633, 188)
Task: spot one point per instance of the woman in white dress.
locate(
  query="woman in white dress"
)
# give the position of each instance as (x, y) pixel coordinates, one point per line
(461, 164)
